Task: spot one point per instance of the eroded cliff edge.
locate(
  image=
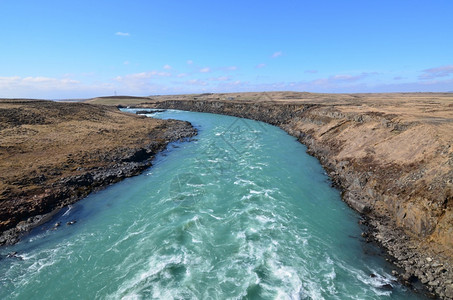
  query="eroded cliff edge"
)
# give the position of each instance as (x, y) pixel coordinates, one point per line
(395, 168)
(53, 154)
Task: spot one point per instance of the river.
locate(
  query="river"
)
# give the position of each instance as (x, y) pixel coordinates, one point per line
(239, 212)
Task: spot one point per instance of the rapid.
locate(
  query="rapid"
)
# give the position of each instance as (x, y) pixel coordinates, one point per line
(239, 212)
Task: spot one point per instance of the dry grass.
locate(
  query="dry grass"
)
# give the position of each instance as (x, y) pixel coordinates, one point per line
(400, 142)
(418, 105)
(44, 141)
(117, 100)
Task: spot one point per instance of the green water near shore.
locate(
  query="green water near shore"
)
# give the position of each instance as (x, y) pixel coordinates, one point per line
(239, 212)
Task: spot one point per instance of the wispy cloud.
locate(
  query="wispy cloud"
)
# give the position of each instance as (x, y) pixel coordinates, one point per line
(350, 78)
(122, 33)
(311, 71)
(167, 67)
(432, 73)
(189, 62)
(277, 54)
(143, 83)
(160, 74)
(196, 82)
(164, 82)
(220, 78)
(259, 66)
(231, 68)
(38, 82)
(48, 87)
(136, 76)
(143, 75)
(205, 70)
(332, 85)
(345, 77)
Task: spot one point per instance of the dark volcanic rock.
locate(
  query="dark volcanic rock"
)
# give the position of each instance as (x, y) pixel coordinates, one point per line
(144, 112)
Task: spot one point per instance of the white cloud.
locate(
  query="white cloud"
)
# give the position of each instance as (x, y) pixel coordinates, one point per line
(39, 81)
(122, 33)
(69, 81)
(432, 73)
(136, 76)
(163, 82)
(329, 85)
(161, 74)
(349, 78)
(167, 67)
(142, 75)
(221, 78)
(189, 62)
(126, 62)
(196, 82)
(277, 54)
(260, 66)
(205, 70)
(344, 77)
(45, 87)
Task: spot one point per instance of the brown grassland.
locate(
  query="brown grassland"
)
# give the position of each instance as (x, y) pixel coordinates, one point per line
(42, 142)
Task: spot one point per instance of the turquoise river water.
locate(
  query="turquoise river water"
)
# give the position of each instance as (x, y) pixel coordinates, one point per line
(240, 212)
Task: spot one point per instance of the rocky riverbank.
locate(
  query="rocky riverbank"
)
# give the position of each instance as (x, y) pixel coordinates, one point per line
(392, 160)
(53, 154)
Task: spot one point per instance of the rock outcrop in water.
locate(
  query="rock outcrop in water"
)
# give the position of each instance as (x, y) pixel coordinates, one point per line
(53, 154)
(394, 169)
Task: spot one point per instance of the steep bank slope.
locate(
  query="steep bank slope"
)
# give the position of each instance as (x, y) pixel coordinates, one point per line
(52, 154)
(394, 165)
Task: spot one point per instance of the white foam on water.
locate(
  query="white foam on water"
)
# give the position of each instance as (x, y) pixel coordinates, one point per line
(215, 161)
(131, 232)
(244, 182)
(156, 265)
(292, 284)
(264, 219)
(68, 211)
(254, 167)
(40, 236)
(377, 282)
(247, 197)
(34, 264)
(215, 217)
(132, 297)
(255, 192)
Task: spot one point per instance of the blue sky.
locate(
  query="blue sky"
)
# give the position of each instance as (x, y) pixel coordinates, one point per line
(75, 49)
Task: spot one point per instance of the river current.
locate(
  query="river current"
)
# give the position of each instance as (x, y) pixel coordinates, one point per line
(240, 212)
